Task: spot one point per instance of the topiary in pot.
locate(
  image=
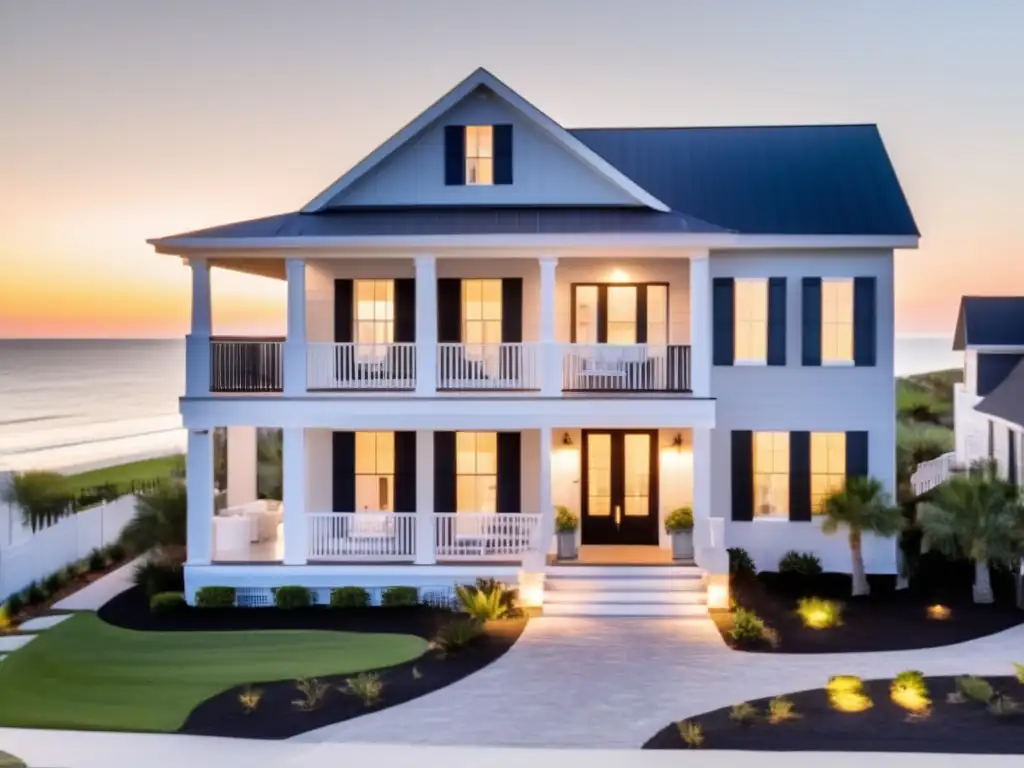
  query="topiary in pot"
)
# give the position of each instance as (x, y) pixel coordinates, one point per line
(566, 524)
(679, 526)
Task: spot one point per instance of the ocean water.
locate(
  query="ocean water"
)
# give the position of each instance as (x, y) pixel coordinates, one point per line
(77, 403)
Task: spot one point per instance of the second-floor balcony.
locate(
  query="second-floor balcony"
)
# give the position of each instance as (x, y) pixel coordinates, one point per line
(258, 365)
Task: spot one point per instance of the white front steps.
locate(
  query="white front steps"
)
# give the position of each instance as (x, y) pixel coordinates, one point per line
(624, 590)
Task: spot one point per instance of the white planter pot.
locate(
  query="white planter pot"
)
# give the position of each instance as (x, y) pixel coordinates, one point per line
(566, 545)
(682, 545)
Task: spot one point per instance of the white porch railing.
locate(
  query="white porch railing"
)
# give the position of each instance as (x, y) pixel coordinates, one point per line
(362, 536)
(935, 472)
(484, 535)
(361, 366)
(488, 366)
(626, 367)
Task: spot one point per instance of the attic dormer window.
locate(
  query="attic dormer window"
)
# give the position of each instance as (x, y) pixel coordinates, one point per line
(479, 155)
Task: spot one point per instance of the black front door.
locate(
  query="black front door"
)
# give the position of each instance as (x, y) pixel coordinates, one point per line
(620, 487)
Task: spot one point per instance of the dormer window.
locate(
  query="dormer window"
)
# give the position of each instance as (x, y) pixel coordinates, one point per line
(479, 155)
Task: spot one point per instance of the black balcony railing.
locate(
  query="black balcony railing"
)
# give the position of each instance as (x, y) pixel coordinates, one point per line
(246, 364)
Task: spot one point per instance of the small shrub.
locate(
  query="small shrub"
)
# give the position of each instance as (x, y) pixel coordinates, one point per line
(158, 576)
(565, 521)
(743, 713)
(974, 688)
(481, 605)
(54, 582)
(349, 597)
(115, 552)
(456, 635)
(1002, 705)
(741, 564)
(34, 594)
(81, 568)
(14, 605)
(313, 693)
(781, 709)
(397, 597)
(366, 686)
(215, 597)
(800, 563)
(691, 733)
(1019, 671)
(846, 694)
(748, 627)
(910, 691)
(509, 596)
(167, 602)
(680, 519)
(292, 597)
(67, 574)
(250, 699)
(771, 636)
(6, 618)
(818, 613)
(97, 560)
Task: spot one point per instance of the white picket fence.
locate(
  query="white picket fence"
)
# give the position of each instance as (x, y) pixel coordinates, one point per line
(60, 545)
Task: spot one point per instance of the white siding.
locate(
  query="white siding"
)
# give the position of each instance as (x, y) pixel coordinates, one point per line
(818, 399)
(543, 170)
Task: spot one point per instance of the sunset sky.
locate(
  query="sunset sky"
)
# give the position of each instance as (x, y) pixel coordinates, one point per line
(123, 120)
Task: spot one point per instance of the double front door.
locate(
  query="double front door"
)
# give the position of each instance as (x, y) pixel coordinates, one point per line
(620, 482)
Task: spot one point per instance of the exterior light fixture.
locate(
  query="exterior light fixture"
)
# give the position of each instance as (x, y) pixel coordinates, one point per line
(677, 441)
(566, 440)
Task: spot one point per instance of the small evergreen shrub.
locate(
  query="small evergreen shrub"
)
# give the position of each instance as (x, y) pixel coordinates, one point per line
(680, 519)
(781, 709)
(115, 552)
(800, 563)
(817, 613)
(349, 597)
(691, 733)
(396, 597)
(910, 691)
(456, 635)
(97, 560)
(167, 602)
(366, 686)
(743, 713)
(155, 576)
(749, 628)
(292, 597)
(54, 582)
(975, 688)
(215, 597)
(481, 605)
(14, 605)
(34, 594)
(741, 564)
(565, 521)
(846, 694)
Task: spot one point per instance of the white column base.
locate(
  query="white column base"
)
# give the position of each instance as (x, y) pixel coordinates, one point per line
(544, 494)
(199, 486)
(296, 549)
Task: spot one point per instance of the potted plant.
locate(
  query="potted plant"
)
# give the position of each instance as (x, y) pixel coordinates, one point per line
(566, 524)
(679, 525)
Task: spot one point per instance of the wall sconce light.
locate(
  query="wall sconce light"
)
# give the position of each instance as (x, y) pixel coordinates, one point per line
(566, 440)
(677, 441)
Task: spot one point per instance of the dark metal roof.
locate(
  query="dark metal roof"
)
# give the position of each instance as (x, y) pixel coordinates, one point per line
(355, 222)
(1007, 400)
(777, 180)
(990, 320)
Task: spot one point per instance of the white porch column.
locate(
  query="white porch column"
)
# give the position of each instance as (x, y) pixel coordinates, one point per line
(295, 341)
(293, 482)
(199, 489)
(551, 353)
(241, 465)
(425, 547)
(426, 327)
(702, 510)
(544, 493)
(197, 343)
(700, 324)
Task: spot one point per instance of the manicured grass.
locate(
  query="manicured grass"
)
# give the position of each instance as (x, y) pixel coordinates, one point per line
(86, 674)
(123, 474)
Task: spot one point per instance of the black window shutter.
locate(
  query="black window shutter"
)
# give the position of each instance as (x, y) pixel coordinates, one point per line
(800, 476)
(641, 314)
(811, 321)
(1011, 456)
(742, 475)
(723, 300)
(343, 466)
(864, 321)
(856, 454)
(776, 321)
(444, 472)
(512, 310)
(503, 154)
(454, 155)
(449, 310)
(405, 472)
(405, 310)
(509, 472)
(343, 313)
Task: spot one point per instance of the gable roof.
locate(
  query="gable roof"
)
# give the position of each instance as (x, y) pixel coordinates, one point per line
(481, 78)
(779, 180)
(989, 321)
(1006, 401)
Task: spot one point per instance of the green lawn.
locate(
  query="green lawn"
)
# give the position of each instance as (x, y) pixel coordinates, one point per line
(123, 474)
(85, 674)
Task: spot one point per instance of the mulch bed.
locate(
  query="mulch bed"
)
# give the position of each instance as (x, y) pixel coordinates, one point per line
(964, 728)
(80, 581)
(886, 620)
(276, 717)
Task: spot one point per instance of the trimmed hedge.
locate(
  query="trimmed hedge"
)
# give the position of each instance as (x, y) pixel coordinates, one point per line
(394, 597)
(349, 597)
(290, 597)
(167, 602)
(215, 597)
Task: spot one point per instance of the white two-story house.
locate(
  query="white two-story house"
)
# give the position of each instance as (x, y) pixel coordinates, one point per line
(492, 315)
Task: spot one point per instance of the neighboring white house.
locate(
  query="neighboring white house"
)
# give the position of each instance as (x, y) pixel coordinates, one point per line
(492, 315)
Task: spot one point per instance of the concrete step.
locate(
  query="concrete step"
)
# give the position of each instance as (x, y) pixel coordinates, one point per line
(561, 597)
(625, 609)
(619, 571)
(633, 584)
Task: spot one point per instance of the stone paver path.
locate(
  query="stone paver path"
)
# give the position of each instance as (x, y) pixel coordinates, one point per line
(95, 595)
(11, 643)
(614, 683)
(42, 622)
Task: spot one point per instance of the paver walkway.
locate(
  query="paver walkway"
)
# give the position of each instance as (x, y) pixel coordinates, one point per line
(614, 683)
(95, 596)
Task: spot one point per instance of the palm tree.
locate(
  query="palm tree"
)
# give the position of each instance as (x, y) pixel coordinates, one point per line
(160, 522)
(269, 463)
(978, 515)
(40, 496)
(862, 506)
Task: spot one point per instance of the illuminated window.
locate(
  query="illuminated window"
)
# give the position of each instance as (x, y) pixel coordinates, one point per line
(836, 321)
(375, 471)
(476, 471)
(622, 302)
(771, 473)
(828, 466)
(374, 317)
(481, 312)
(751, 321)
(479, 154)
